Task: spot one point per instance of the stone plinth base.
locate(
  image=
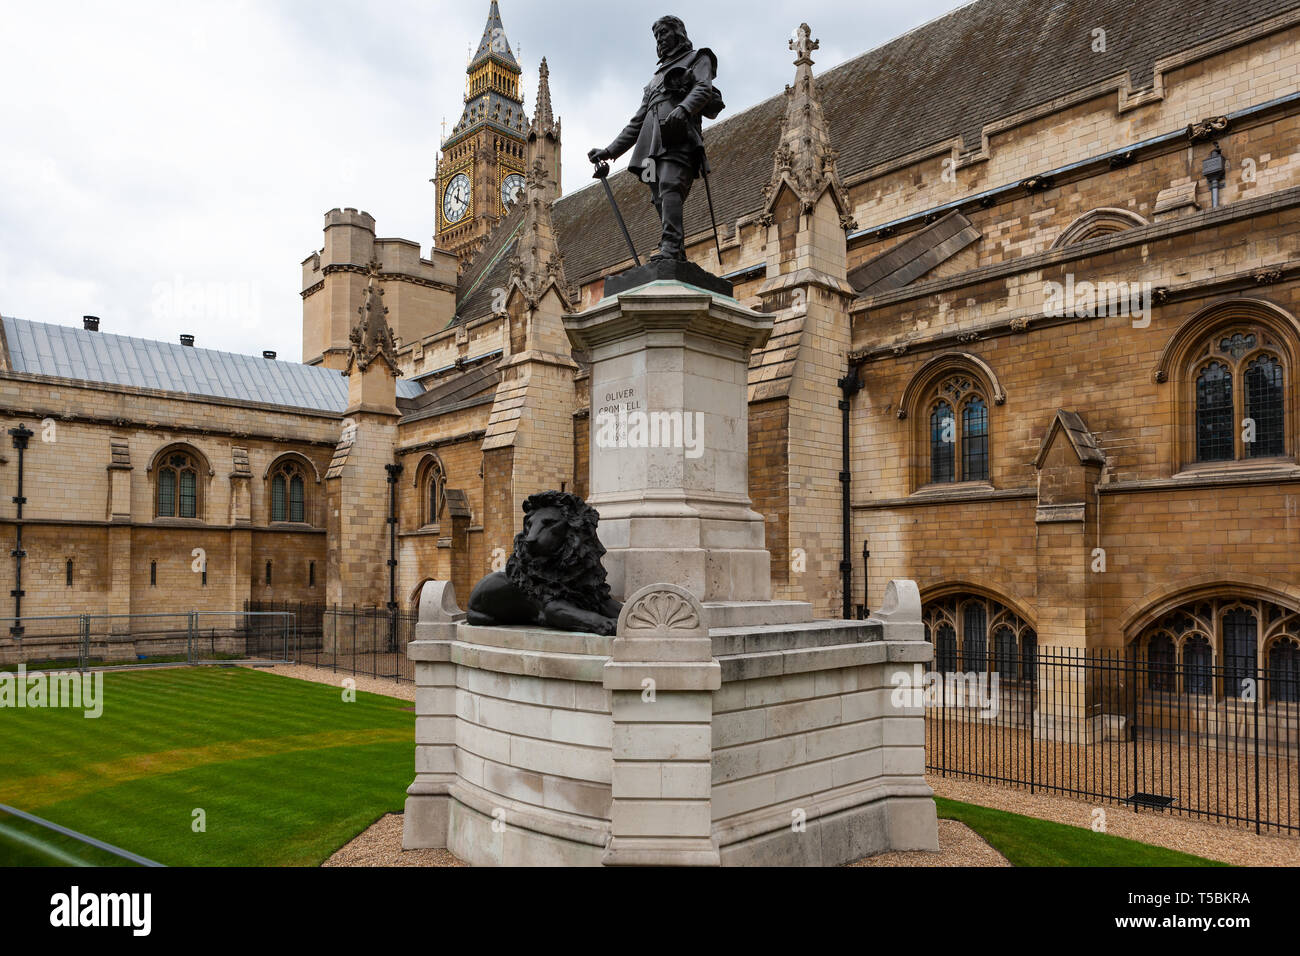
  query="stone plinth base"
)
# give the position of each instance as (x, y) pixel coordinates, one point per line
(669, 436)
(738, 733)
(667, 270)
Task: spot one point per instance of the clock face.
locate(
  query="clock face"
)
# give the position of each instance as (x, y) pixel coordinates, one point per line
(509, 186)
(455, 200)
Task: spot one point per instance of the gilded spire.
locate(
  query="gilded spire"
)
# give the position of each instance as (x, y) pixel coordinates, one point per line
(494, 42)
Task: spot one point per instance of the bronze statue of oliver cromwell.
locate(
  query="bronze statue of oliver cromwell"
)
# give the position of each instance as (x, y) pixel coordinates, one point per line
(664, 135)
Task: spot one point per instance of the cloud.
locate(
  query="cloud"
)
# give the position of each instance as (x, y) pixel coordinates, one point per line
(166, 165)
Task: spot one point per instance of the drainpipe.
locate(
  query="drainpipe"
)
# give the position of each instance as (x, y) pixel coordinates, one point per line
(849, 386)
(866, 579)
(21, 434)
(393, 472)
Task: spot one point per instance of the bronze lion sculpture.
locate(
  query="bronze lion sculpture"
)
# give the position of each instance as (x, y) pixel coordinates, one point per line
(554, 578)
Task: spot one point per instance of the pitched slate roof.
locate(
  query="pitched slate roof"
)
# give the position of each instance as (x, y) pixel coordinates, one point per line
(494, 42)
(489, 270)
(38, 348)
(954, 75)
(1081, 439)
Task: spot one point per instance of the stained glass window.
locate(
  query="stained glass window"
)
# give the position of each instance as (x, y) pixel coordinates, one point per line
(942, 444)
(1197, 677)
(974, 645)
(1214, 426)
(178, 487)
(975, 441)
(1284, 670)
(1160, 663)
(296, 507)
(278, 509)
(167, 493)
(1004, 653)
(1240, 646)
(945, 648)
(1264, 406)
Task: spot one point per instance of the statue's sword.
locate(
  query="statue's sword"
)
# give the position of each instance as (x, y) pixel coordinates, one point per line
(602, 173)
(708, 194)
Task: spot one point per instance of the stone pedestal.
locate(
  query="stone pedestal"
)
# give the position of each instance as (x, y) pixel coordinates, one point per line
(669, 439)
(692, 737)
(661, 680)
(426, 814)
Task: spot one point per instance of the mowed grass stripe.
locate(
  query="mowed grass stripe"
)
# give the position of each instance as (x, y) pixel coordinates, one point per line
(135, 701)
(237, 730)
(289, 809)
(42, 789)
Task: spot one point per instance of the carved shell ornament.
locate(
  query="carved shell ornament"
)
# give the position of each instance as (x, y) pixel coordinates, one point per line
(662, 610)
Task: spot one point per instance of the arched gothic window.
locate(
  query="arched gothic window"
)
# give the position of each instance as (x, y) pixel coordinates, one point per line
(435, 492)
(958, 433)
(1160, 663)
(983, 624)
(1222, 646)
(1284, 670)
(177, 486)
(1198, 678)
(288, 492)
(1240, 397)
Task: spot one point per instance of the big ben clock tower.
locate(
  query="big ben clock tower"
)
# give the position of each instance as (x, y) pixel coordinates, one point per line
(482, 165)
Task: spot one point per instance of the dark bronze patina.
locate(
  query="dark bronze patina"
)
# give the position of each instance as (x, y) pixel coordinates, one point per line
(664, 135)
(554, 578)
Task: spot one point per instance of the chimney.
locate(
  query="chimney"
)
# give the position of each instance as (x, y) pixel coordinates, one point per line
(187, 339)
(90, 323)
(268, 354)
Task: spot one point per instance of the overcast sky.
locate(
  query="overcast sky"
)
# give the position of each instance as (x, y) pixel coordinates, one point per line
(166, 166)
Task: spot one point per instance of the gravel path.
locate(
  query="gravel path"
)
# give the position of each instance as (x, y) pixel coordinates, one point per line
(318, 675)
(959, 845)
(381, 845)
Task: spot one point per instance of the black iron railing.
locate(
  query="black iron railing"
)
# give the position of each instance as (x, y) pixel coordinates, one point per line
(1220, 742)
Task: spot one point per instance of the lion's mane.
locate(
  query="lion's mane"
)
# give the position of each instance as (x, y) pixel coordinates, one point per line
(575, 574)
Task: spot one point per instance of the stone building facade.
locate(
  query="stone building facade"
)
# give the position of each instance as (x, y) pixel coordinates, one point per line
(1032, 349)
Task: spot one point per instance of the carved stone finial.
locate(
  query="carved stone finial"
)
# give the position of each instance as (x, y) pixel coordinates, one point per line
(536, 265)
(803, 44)
(371, 337)
(543, 121)
(805, 161)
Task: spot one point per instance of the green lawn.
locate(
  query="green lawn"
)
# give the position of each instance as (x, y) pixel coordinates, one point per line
(1028, 841)
(286, 771)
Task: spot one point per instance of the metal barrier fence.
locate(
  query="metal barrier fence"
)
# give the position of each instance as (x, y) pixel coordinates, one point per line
(183, 637)
(29, 840)
(366, 641)
(1216, 741)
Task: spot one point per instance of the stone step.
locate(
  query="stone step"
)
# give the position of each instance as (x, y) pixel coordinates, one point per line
(752, 639)
(756, 613)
